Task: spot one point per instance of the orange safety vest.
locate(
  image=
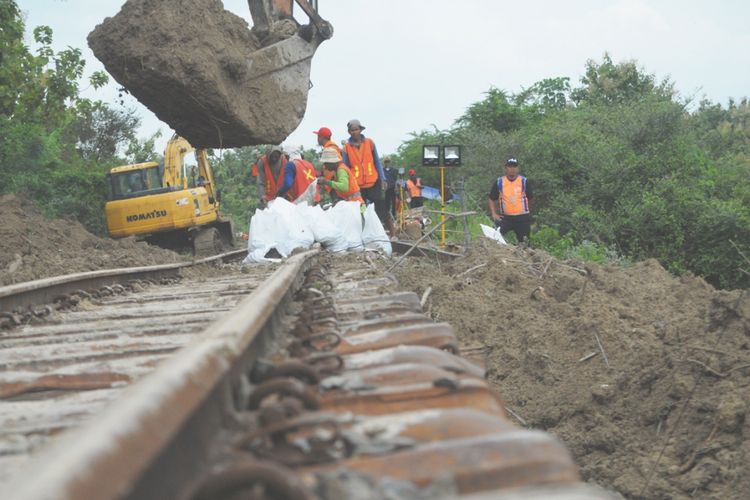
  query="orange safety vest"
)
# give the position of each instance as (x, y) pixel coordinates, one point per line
(272, 185)
(351, 194)
(304, 176)
(513, 200)
(362, 163)
(415, 189)
(331, 144)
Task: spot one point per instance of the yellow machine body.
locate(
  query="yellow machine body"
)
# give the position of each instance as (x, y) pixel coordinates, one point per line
(145, 199)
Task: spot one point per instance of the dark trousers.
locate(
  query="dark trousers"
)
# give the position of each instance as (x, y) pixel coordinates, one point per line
(374, 195)
(390, 201)
(416, 202)
(519, 224)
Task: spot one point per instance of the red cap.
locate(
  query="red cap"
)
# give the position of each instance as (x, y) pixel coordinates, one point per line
(412, 171)
(324, 131)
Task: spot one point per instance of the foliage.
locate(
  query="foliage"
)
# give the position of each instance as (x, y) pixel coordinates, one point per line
(55, 144)
(620, 168)
(619, 165)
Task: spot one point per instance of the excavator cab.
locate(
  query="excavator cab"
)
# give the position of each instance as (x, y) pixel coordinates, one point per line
(134, 180)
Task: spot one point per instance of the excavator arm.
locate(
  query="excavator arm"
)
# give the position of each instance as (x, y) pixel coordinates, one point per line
(267, 12)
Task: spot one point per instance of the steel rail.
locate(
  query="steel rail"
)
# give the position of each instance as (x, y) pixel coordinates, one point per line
(161, 429)
(47, 290)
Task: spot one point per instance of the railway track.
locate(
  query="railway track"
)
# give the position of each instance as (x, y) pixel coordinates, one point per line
(314, 379)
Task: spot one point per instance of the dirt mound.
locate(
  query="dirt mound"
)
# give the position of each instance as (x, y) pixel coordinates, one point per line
(198, 68)
(34, 247)
(663, 416)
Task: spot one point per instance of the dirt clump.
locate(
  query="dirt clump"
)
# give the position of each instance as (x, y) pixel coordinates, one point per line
(199, 69)
(664, 415)
(34, 247)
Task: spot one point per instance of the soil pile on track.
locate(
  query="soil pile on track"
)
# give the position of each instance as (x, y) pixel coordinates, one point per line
(190, 63)
(664, 416)
(34, 247)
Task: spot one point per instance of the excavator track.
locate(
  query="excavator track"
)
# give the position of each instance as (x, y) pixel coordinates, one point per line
(317, 378)
(208, 241)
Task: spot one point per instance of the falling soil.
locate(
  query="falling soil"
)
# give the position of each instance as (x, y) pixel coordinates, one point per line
(644, 376)
(34, 247)
(198, 68)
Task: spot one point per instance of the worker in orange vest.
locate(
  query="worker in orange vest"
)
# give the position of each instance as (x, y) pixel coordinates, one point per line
(510, 202)
(344, 183)
(414, 187)
(270, 172)
(325, 141)
(298, 175)
(361, 156)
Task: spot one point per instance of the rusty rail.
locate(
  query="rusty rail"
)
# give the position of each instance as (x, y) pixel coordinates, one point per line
(109, 458)
(48, 290)
(321, 382)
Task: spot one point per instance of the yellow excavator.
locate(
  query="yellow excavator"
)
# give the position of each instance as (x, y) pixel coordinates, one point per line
(174, 205)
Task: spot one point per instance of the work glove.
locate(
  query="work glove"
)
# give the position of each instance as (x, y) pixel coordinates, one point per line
(498, 221)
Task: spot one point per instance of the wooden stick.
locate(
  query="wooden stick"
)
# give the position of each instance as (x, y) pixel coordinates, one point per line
(716, 372)
(425, 295)
(739, 251)
(588, 356)
(427, 234)
(738, 368)
(707, 368)
(707, 349)
(546, 267)
(470, 270)
(515, 415)
(606, 361)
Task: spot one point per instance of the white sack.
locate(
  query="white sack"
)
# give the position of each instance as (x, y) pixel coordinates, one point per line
(493, 234)
(324, 230)
(374, 236)
(309, 195)
(280, 227)
(346, 216)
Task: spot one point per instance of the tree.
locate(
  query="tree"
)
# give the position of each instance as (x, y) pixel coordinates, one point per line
(610, 83)
(54, 143)
(496, 112)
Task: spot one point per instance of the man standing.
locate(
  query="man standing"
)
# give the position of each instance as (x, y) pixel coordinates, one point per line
(361, 156)
(509, 202)
(324, 139)
(344, 182)
(270, 168)
(414, 187)
(391, 175)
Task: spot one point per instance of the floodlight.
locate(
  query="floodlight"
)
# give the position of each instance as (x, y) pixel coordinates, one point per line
(431, 156)
(452, 156)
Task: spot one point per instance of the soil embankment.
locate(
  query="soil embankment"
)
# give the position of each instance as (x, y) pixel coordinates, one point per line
(663, 416)
(34, 247)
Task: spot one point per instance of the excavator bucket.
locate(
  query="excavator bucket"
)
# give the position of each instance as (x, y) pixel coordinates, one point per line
(202, 71)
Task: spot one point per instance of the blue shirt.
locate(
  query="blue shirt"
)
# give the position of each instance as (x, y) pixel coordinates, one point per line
(290, 171)
(375, 157)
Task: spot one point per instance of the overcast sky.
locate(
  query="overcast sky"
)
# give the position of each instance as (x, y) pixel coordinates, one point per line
(403, 65)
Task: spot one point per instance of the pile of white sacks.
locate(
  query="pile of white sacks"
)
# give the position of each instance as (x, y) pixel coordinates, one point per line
(286, 226)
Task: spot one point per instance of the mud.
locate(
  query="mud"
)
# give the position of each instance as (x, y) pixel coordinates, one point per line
(195, 66)
(663, 416)
(34, 247)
